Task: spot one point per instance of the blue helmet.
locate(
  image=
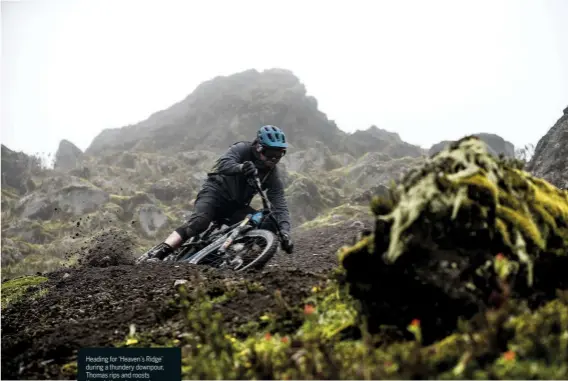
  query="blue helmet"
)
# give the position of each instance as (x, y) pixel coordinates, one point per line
(272, 136)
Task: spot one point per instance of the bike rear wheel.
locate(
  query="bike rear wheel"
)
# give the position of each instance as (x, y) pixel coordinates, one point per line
(254, 248)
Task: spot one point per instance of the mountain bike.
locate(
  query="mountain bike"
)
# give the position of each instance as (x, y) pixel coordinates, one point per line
(239, 247)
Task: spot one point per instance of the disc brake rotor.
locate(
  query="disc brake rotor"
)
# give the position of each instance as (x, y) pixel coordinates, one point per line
(248, 250)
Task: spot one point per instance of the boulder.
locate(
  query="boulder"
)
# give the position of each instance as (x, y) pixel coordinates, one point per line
(462, 232)
(496, 145)
(550, 159)
(61, 194)
(151, 219)
(17, 170)
(67, 156)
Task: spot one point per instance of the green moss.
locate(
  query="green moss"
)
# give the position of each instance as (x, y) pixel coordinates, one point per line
(9, 193)
(345, 212)
(69, 369)
(118, 199)
(56, 228)
(38, 261)
(13, 290)
(112, 207)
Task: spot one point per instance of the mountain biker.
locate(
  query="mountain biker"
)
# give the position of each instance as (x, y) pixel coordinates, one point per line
(227, 194)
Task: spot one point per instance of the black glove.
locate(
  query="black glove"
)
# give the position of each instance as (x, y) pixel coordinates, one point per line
(249, 169)
(287, 244)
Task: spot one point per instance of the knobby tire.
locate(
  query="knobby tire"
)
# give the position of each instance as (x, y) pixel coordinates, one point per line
(270, 248)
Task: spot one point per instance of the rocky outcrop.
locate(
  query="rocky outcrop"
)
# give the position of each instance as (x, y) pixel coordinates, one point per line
(372, 173)
(496, 145)
(227, 109)
(376, 139)
(67, 156)
(167, 190)
(130, 204)
(61, 195)
(307, 198)
(17, 170)
(151, 219)
(550, 159)
(317, 158)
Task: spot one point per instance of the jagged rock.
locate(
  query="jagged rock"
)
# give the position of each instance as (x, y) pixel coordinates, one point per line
(365, 196)
(67, 156)
(344, 159)
(129, 204)
(306, 199)
(27, 231)
(200, 159)
(167, 190)
(10, 252)
(376, 139)
(550, 159)
(151, 219)
(17, 169)
(317, 158)
(62, 194)
(115, 184)
(82, 172)
(374, 169)
(227, 109)
(37, 206)
(496, 145)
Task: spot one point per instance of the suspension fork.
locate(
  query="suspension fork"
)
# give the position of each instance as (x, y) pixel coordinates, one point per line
(255, 183)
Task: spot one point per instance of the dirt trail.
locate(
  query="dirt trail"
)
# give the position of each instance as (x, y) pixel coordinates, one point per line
(95, 303)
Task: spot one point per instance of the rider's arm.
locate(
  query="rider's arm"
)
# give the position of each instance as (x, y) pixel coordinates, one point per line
(230, 162)
(275, 194)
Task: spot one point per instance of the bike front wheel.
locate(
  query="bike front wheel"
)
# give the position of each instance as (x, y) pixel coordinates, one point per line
(250, 250)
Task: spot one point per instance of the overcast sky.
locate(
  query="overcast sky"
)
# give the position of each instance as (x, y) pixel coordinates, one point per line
(429, 70)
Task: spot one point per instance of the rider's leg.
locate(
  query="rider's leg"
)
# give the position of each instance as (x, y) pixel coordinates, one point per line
(208, 204)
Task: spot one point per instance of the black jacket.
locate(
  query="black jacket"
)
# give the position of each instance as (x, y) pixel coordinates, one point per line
(236, 187)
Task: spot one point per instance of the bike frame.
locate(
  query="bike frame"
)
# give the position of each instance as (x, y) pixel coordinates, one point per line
(233, 231)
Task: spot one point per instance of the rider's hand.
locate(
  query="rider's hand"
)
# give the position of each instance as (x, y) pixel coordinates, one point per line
(249, 169)
(287, 244)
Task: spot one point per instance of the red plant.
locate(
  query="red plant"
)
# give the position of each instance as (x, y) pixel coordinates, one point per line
(309, 309)
(509, 355)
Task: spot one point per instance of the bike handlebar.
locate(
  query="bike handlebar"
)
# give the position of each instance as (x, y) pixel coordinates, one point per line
(257, 185)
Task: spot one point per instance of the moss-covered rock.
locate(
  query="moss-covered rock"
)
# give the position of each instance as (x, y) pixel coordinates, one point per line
(61, 194)
(15, 289)
(459, 232)
(308, 197)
